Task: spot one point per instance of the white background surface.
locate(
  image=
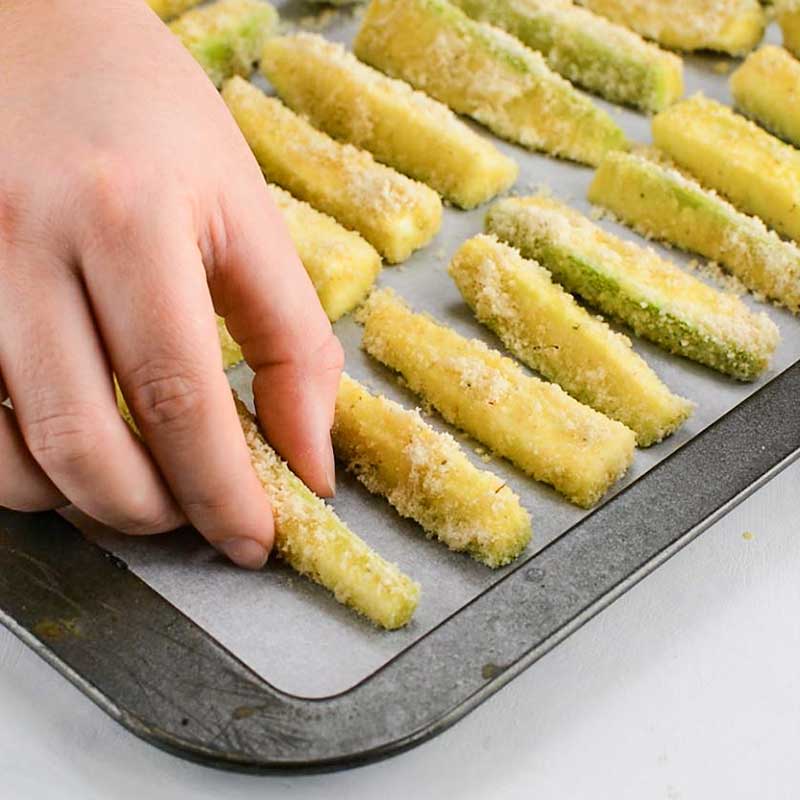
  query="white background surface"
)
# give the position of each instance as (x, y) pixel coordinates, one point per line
(687, 687)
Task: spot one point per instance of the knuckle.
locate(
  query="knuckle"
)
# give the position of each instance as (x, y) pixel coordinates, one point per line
(144, 520)
(166, 393)
(110, 188)
(63, 437)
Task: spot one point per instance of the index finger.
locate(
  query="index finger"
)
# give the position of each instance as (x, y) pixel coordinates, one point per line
(157, 320)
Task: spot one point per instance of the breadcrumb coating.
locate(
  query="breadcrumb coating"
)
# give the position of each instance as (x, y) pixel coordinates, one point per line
(401, 127)
(395, 214)
(485, 73)
(660, 202)
(588, 49)
(425, 475)
(758, 173)
(227, 36)
(534, 424)
(656, 298)
(546, 329)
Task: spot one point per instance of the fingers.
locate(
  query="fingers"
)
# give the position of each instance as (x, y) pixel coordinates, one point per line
(23, 484)
(55, 371)
(165, 352)
(272, 310)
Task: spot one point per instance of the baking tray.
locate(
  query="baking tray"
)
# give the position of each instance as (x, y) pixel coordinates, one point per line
(266, 672)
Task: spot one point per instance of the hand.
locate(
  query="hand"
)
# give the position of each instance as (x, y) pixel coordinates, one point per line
(130, 209)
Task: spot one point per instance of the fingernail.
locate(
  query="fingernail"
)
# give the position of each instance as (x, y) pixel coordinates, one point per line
(247, 553)
(330, 472)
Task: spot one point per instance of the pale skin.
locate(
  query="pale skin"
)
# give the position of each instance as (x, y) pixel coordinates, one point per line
(130, 210)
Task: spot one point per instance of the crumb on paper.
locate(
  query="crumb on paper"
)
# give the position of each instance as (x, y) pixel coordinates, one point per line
(722, 67)
(748, 536)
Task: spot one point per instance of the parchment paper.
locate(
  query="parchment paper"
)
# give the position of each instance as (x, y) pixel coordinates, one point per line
(291, 631)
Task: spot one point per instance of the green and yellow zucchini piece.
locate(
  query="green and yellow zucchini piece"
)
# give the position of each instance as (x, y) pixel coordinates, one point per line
(316, 543)
(588, 49)
(788, 16)
(485, 73)
(660, 202)
(766, 88)
(659, 301)
(167, 9)
(757, 172)
(546, 329)
(727, 26)
(532, 423)
(395, 214)
(227, 36)
(401, 127)
(426, 477)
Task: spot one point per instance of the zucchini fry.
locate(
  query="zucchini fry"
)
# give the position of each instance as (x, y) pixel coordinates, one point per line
(588, 49)
(227, 36)
(231, 352)
(401, 127)
(788, 15)
(533, 424)
(659, 202)
(167, 9)
(758, 173)
(341, 265)
(767, 89)
(395, 214)
(315, 542)
(426, 477)
(727, 26)
(546, 329)
(656, 298)
(481, 71)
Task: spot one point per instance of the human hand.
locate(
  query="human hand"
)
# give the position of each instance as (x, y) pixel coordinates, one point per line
(130, 209)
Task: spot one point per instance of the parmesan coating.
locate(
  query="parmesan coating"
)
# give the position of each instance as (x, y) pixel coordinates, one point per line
(655, 297)
(485, 73)
(758, 173)
(395, 214)
(167, 9)
(315, 542)
(588, 49)
(534, 424)
(226, 37)
(767, 89)
(426, 477)
(546, 329)
(660, 202)
(727, 26)
(788, 16)
(341, 265)
(401, 127)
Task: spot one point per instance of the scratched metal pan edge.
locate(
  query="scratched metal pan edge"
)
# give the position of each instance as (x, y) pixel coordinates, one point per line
(167, 681)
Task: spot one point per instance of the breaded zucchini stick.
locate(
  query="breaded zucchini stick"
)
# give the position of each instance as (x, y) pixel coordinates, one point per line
(314, 541)
(546, 329)
(401, 127)
(656, 298)
(395, 214)
(660, 202)
(341, 265)
(533, 424)
(588, 49)
(231, 352)
(767, 89)
(788, 15)
(426, 477)
(227, 36)
(727, 26)
(167, 9)
(483, 72)
(758, 173)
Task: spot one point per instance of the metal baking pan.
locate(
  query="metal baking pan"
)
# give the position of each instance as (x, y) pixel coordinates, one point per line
(266, 672)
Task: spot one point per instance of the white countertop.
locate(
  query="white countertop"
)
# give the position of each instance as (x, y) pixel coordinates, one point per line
(687, 687)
